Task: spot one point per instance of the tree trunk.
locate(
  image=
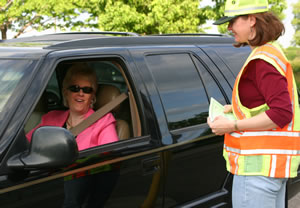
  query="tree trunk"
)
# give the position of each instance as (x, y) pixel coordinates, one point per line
(4, 32)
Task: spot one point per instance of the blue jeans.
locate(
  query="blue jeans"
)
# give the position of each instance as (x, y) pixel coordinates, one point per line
(258, 192)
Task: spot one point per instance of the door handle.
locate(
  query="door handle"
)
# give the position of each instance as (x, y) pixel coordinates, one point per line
(151, 165)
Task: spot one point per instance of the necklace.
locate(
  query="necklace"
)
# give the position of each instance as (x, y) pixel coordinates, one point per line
(73, 121)
(69, 125)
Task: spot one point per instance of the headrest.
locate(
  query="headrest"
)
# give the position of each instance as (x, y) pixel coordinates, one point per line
(105, 94)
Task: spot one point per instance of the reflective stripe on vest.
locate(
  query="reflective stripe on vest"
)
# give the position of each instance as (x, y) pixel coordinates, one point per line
(280, 166)
(275, 152)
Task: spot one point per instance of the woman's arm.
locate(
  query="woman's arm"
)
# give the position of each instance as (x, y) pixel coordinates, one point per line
(222, 125)
(29, 134)
(108, 133)
(272, 86)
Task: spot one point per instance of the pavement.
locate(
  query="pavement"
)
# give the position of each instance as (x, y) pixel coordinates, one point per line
(294, 202)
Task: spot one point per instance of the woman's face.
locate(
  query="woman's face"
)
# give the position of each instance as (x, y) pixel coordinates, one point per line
(79, 102)
(241, 28)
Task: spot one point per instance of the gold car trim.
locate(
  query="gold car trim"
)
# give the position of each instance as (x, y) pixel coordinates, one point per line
(60, 175)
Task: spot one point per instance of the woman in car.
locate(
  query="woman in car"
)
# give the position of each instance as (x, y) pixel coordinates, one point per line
(261, 147)
(79, 88)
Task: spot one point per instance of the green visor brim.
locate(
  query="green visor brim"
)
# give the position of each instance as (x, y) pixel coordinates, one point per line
(223, 20)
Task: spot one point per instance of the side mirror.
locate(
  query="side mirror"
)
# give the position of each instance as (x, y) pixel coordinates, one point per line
(50, 147)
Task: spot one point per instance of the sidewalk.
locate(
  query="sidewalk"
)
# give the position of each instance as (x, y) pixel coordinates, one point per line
(295, 201)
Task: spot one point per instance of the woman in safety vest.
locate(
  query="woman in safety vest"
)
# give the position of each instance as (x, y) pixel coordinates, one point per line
(262, 146)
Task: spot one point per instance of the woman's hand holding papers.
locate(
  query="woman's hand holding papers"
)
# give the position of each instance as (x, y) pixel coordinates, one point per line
(227, 108)
(221, 125)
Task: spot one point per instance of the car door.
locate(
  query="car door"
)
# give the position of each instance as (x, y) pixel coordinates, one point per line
(195, 174)
(131, 168)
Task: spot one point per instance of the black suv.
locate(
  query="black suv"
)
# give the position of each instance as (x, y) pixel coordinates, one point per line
(166, 156)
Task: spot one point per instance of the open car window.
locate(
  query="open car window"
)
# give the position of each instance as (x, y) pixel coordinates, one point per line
(110, 74)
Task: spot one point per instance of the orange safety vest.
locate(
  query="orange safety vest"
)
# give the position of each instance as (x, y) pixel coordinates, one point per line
(274, 152)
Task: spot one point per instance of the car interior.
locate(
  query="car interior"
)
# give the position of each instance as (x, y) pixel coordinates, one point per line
(112, 82)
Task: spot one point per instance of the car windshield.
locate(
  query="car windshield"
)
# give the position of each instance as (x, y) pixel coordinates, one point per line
(11, 72)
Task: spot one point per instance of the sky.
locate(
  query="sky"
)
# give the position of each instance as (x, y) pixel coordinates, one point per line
(284, 40)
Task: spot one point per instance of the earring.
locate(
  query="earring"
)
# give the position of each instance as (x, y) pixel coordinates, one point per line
(93, 101)
(251, 34)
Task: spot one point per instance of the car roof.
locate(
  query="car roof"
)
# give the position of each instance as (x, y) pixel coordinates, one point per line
(79, 39)
(62, 37)
(59, 41)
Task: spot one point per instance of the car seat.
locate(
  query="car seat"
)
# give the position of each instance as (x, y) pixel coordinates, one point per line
(36, 116)
(104, 95)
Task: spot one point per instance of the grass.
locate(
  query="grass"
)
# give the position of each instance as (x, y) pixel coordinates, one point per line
(293, 55)
(297, 78)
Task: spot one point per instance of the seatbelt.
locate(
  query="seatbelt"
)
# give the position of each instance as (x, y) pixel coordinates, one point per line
(97, 114)
(133, 117)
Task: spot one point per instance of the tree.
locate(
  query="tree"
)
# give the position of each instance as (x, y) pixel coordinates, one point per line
(296, 23)
(146, 16)
(18, 15)
(141, 16)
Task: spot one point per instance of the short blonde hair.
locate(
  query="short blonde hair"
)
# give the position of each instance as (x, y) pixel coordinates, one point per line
(79, 70)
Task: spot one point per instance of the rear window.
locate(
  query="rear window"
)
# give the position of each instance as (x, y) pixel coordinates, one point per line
(180, 88)
(233, 57)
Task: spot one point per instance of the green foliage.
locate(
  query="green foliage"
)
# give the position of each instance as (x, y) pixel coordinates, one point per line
(296, 40)
(277, 7)
(293, 54)
(296, 64)
(147, 17)
(297, 78)
(296, 23)
(18, 15)
(141, 16)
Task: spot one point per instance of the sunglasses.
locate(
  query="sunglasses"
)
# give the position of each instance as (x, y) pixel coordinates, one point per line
(76, 88)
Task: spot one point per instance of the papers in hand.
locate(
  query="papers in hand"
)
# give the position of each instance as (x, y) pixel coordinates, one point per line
(217, 109)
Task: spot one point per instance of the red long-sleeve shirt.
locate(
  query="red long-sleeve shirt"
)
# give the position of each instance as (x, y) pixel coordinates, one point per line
(262, 83)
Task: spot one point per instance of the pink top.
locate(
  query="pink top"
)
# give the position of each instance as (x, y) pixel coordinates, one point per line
(262, 83)
(101, 132)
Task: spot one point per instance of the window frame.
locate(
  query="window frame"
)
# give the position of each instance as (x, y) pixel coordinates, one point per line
(139, 138)
(191, 55)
